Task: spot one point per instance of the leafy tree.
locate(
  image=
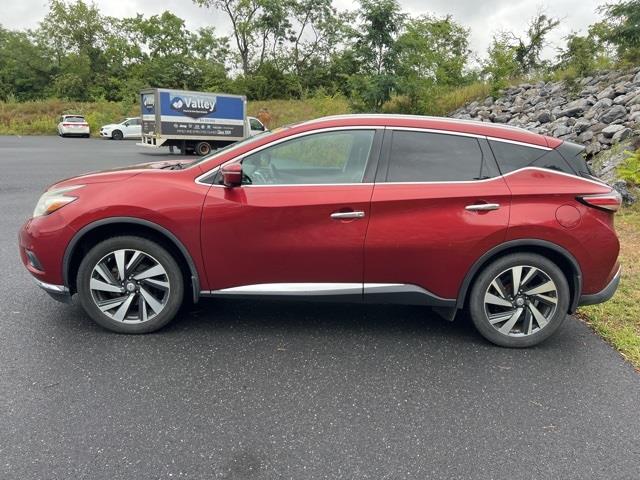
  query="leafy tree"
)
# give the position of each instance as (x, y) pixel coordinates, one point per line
(25, 68)
(581, 54)
(374, 50)
(622, 28)
(255, 23)
(527, 49)
(501, 64)
(432, 54)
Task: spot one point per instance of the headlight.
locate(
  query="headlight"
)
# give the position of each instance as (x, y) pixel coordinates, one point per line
(53, 200)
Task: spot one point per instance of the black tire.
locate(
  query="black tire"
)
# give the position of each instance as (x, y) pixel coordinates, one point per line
(117, 135)
(155, 252)
(203, 148)
(480, 310)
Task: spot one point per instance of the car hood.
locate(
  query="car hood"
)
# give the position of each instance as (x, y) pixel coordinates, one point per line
(116, 174)
(110, 126)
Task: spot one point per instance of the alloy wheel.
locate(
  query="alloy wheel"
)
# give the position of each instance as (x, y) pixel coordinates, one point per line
(521, 301)
(129, 286)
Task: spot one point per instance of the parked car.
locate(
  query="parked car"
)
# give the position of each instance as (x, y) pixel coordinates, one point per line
(438, 212)
(73, 125)
(128, 128)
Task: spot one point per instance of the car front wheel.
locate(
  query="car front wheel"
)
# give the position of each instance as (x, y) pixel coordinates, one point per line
(130, 285)
(519, 300)
(117, 135)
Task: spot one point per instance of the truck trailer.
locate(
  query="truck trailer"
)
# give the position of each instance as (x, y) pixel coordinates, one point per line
(194, 122)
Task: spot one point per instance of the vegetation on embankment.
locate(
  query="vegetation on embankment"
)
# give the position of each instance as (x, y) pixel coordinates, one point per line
(41, 117)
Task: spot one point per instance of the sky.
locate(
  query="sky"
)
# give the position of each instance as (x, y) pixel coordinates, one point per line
(483, 17)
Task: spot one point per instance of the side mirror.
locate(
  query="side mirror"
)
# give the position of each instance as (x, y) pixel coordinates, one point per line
(232, 175)
(126, 124)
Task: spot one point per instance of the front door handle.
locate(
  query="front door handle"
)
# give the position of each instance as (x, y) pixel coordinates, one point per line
(347, 215)
(482, 207)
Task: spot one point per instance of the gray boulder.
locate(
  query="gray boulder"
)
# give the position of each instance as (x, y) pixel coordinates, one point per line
(610, 130)
(614, 113)
(602, 104)
(621, 135)
(608, 92)
(545, 116)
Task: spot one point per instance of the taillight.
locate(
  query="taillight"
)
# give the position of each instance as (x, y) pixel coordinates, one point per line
(607, 201)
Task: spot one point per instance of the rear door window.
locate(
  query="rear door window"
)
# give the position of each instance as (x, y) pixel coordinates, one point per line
(512, 157)
(434, 157)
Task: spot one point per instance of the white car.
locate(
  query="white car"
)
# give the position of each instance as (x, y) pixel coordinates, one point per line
(128, 128)
(255, 126)
(73, 125)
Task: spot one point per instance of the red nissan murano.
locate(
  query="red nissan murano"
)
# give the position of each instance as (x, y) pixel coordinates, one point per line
(367, 208)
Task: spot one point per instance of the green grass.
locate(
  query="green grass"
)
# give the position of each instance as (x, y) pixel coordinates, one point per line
(618, 320)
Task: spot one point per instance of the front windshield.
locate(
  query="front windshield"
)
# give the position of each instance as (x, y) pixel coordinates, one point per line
(233, 146)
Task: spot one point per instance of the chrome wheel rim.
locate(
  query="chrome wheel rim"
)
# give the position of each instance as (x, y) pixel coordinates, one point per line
(129, 286)
(521, 301)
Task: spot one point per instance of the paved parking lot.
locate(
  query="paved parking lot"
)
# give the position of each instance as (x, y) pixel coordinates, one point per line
(257, 390)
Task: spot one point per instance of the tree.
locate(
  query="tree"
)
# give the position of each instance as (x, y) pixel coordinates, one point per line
(581, 54)
(527, 50)
(374, 51)
(501, 64)
(622, 28)
(256, 24)
(25, 69)
(432, 54)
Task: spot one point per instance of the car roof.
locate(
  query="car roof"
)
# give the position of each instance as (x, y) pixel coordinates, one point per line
(72, 115)
(469, 127)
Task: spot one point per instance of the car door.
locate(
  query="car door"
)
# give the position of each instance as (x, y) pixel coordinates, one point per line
(134, 129)
(298, 222)
(438, 204)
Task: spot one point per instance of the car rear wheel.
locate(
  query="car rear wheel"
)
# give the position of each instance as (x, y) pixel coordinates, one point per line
(519, 300)
(130, 285)
(117, 135)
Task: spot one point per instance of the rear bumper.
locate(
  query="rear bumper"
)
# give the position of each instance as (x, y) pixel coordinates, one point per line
(603, 295)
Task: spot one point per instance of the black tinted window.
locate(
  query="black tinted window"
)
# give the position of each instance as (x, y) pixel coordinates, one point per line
(434, 157)
(512, 157)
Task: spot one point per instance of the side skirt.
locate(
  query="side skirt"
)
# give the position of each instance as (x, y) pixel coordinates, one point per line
(376, 293)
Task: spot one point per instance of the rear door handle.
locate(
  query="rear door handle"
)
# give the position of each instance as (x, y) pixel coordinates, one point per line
(343, 215)
(482, 207)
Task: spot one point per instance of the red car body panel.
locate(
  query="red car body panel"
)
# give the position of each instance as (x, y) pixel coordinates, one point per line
(414, 229)
(283, 234)
(412, 233)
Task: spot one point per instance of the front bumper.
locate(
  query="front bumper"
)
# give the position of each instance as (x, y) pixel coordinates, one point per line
(603, 295)
(105, 133)
(57, 292)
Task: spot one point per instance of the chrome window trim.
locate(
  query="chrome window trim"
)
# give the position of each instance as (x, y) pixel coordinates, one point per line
(379, 127)
(522, 144)
(285, 139)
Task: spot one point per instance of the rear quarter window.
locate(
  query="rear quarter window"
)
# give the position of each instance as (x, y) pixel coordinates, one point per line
(435, 157)
(512, 157)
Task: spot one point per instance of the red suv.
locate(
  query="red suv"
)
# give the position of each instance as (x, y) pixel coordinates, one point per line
(369, 208)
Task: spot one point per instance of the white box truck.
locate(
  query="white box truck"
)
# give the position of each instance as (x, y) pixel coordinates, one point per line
(194, 122)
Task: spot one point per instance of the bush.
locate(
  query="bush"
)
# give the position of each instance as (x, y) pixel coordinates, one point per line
(629, 170)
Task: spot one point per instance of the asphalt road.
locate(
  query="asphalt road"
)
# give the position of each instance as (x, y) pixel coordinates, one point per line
(249, 390)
